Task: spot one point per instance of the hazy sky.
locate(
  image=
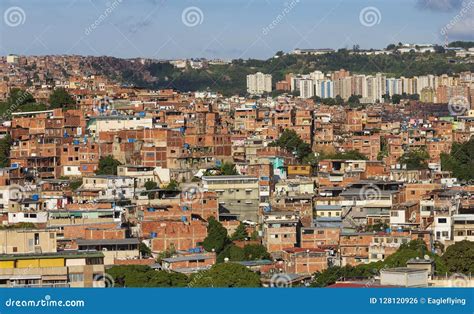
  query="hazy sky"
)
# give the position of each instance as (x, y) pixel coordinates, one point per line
(169, 29)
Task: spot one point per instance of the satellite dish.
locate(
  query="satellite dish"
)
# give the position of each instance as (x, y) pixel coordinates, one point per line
(427, 257)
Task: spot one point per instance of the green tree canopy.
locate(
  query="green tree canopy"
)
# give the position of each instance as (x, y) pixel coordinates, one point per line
(145, 251)
(19, 98)
(228, 169)
(143, 276)
(415, 159)
(459, 257)
(5, 145)
(108, 166)
(290, 141)
(396, 98)
(232, 252)
(460, 161)
(172, 186)
(240, 233)
(217, 238)
(60, 98)
(253, 252)
(413, 249)
(250, 252)
(150, 185)
(226, 275)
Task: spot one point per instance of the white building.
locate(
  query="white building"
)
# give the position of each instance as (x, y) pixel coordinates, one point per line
(442, 226)
(259, 83)
(463, 227)
(109, 187)
(12, 59)
(324, 88)
(306, 88)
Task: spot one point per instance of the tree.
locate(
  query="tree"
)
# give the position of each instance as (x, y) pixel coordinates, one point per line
(139, 276)
(415, 159)
(228, 169)
(290, 141)
(5, 145)
(310, 159)
(459, 257)
(396, 99)
(339, 100)
(217, 238)
(462, 44)
(172, 186)
(333, 274)
(150, 185)
(354, 99)
(232, 252)
(254, 252)
(226, 275)
(108, 166)
(60, 98)
(75, 184)
(460, 161)
(240, 233)
(19, 98)
(412, 249)
(144, 250)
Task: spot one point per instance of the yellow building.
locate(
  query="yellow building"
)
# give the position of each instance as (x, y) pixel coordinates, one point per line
(64, 269)
(328, 211)
(18, 241)
(299, 170)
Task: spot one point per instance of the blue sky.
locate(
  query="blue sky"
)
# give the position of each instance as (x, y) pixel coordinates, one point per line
(223, 28)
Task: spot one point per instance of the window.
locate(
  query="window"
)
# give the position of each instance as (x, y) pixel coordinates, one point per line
(37, 238)
(76, 277)
(442, 220)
